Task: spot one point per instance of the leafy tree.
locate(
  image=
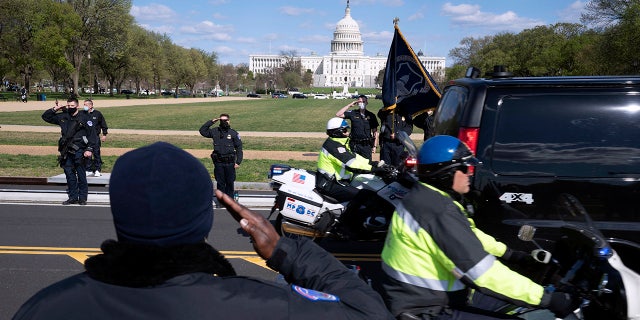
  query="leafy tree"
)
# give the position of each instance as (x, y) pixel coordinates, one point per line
(103, 22)
(28, 30)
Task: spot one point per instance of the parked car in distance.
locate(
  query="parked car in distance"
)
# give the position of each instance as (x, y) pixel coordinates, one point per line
(253, 95)
(126, 91)
(299, 96)
(320, 96)
(279, 95)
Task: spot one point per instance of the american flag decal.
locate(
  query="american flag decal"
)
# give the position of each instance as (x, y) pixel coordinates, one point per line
(298, 178)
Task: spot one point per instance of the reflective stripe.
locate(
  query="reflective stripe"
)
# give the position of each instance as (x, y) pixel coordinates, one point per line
(343, 174)
(407, 218)
(478, 270)
(433, 284)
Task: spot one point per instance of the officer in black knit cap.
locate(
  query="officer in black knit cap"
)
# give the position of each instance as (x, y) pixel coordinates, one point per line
(161, 266)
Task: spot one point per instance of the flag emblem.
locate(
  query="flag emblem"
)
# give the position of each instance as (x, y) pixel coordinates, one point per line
(299, 178)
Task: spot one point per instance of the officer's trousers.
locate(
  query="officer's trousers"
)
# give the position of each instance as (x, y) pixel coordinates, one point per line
(391, 153)
(363, 149)
(225, 175)
(74, 171)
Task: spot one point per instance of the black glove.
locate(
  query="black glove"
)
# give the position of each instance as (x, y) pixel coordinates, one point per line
(378, 170)
(519, 257)
(562, 304)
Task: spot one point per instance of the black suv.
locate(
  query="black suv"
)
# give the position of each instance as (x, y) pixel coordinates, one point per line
(540, 137)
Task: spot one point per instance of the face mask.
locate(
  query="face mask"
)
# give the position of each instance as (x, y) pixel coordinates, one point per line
(224, 125)
(85, 108)
(71, 111)
(361, 105)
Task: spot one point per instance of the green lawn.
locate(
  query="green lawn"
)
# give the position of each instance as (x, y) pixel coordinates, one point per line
(265, 114)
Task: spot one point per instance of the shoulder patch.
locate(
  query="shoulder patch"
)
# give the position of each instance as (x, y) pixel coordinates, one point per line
(90, 123)
(314, 295)
(342, 149)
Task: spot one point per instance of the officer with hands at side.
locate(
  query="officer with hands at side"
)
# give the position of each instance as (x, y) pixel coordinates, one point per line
(434, 254)
(100, 125)
(227, 152)
(161, 266)
(363, 138)
(77, 142)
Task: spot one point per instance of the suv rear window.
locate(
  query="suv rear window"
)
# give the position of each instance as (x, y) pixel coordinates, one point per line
(449, 114)
(589, 135)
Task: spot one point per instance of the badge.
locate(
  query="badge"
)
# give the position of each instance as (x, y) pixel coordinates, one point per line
(342, 150)
(314, 295)
(228, 136)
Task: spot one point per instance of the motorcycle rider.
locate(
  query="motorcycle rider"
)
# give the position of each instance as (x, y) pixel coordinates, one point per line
(337, 164)
(434, 254)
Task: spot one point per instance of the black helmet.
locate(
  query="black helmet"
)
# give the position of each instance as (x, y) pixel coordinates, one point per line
(440, 157)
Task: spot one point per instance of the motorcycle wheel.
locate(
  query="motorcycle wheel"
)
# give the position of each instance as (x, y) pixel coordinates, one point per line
(283, 233)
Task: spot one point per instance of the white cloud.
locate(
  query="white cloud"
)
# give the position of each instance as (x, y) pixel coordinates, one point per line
(153, 12)
(467, 15)
(416, 16)
(295, 11)
(206, 27)
(572, 13)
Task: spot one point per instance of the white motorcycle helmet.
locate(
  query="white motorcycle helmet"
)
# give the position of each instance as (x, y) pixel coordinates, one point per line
(337, 127)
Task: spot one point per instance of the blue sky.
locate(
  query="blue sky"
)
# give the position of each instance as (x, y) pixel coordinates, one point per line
(236, 28)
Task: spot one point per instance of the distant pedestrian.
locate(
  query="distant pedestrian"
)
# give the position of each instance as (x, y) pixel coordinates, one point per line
(227, 152)
(363, 137)
(23, 94)
(95, 165)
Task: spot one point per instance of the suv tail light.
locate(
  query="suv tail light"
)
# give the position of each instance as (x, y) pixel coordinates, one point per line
(470, 137)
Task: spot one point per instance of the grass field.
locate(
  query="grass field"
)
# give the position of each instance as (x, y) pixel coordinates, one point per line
(265, 114)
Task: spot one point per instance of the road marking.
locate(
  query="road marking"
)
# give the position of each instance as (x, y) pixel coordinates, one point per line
(82, 254)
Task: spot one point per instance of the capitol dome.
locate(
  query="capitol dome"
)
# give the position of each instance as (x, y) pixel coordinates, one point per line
(347, 39)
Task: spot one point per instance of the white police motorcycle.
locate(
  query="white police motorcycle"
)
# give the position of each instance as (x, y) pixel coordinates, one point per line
(302, 211)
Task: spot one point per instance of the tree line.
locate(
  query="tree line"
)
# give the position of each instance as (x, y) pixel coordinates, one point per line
(82, 43)
(606, 42)
(78, 43)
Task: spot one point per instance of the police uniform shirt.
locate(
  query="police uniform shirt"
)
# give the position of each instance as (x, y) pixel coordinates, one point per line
(361, 126)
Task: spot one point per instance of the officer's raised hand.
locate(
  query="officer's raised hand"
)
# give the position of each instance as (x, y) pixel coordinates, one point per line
(260, 230)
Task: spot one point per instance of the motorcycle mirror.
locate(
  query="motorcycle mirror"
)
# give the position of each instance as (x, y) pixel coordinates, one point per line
(541, 255)
(526, 233)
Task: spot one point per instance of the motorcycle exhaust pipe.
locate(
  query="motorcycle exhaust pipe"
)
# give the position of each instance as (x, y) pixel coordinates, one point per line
(289, 227)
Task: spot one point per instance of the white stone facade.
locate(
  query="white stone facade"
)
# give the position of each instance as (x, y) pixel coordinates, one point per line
(346, 64)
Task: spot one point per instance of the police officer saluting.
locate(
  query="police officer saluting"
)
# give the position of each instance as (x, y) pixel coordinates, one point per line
(227, 152)
(76, 146)
(363, 138)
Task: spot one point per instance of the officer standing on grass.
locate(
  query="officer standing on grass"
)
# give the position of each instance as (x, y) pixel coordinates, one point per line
(227, 152)
(95, 166)
(363, 138)
(77, 142)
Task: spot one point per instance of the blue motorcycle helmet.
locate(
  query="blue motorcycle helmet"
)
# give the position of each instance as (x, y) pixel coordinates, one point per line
(440, 157)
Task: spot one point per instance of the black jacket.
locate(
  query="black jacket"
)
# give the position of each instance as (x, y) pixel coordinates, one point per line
(225, 142)
(84, 133)
(98, 121)
(130, 282)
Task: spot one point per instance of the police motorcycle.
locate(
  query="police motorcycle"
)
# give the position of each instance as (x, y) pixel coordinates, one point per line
(582, 261)
(302, 211)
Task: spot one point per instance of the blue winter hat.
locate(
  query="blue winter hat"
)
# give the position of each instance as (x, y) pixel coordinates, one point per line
(161, 195)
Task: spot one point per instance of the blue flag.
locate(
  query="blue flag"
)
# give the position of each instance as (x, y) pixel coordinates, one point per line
(408, 87)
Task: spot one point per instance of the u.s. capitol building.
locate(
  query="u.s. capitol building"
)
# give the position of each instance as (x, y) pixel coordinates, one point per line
(346, 65)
